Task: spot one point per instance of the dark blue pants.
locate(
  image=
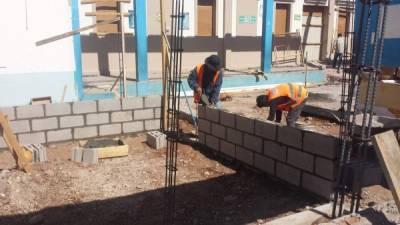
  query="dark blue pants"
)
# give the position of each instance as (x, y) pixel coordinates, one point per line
(337, 60)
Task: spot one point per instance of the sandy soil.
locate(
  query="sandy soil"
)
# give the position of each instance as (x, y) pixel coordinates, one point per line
(129, 190)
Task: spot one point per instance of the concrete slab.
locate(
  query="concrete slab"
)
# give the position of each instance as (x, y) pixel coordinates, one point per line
(304, 218)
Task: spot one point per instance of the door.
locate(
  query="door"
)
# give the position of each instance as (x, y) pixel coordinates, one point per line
(342, 23)
(282, 18)
(312, 31)
(205, 17)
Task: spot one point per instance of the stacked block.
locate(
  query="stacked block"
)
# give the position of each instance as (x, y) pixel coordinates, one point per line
(156, 139)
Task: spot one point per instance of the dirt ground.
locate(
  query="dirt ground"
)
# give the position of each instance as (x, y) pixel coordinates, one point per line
(129, 190)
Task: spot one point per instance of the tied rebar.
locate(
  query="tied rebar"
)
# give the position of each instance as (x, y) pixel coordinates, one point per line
(358, 67)
(173, 93)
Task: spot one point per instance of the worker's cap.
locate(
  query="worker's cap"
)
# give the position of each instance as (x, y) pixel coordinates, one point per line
(262, 101)
(213, 62)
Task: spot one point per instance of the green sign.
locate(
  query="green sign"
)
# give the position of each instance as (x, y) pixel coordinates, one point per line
(247, 19)
(297, 17)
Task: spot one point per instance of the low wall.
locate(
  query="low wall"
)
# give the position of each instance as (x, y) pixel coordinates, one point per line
(301, 158)
(37, 124)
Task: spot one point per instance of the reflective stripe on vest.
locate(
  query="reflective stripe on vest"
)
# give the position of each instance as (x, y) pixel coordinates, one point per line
(200, 73)
(296, 93)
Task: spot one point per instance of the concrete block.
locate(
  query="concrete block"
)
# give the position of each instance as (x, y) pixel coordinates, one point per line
(265, 164)
(109, 105)
(143, 114)
(275, 150)
(123, 116)
(317, 185)
(84, 107)
(90, 156)
(20, 126)
(77, 155)
(244, 155)
(245, 124)
(202, 138)
(202, 112)
(300, 159)
(204, 125)
(157, 113)
(228, 148)
(110, 129)
(57, 109)
(30, 111)
(212, 142)
(212, 114)
(39, 153)
(322, 145)
(97, 118)
(218, 130)
(45, 124)
(132, 127)
(234, 136)
(288, 173)
(326, 168)
(2, 143)
(265, 129)
(132, 103)
(71, 121)
(253, 143)
(9, 112)
(153, 101)
(59, 135)
(85, 132)
(156, 139)
(152, 124)
(32, 138)
(227, 119)
(290, 136)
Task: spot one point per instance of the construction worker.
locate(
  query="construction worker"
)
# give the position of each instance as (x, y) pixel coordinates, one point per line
(339, 50)
(284, 97)
(206, 81)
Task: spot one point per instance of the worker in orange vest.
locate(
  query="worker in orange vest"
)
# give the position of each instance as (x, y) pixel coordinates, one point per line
(206, 81)
(284, 97)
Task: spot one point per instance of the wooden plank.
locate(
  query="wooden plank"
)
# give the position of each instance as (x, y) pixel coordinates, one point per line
(113, 151)
(101, 14)
(70, 33)
(388, 151)
(18, 152)
(103, 1)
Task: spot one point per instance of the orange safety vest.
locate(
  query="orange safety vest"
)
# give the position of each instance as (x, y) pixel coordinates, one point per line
(200, 72)
(296, 93)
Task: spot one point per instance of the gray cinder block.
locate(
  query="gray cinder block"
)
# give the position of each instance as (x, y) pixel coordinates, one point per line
(9, 112)
(204, 125)
(212, 142)
(288, 173)
(156, 139)
(317, 185)
(228, 148)
(152, 124)
(227, 119)
(97, 118)
(39, 152)
(110, 129)
(157, 113)
(58, 109)
(20, 126)
(71, 121)
(202, 138)
(132, 103)
(90, 156)
(300, 159)
(85, 132)
(290, 136)
(245, 124)
(84, 107)
(32, 138)
(152, 101)
(132, 127)
(253, 143)
(234, 136)
(322, 145)
(109, 105)
(30, 111)
(123, 116)
(59, 135)
(45, 124)
(77, 155)
(2, 143)
(275, 150)
(265, 129)
(244, 155)
(265, 164)
(212, 114)
(143, 114)
(201, 112)
(218, 130)
(325, 168)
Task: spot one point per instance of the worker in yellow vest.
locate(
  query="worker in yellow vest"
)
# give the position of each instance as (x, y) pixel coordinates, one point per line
(206, 81)
(284, 97)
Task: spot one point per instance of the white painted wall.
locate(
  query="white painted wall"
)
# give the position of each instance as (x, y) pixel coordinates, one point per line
(20, 31)
(392, 29)
(296, 16)
(190, 8)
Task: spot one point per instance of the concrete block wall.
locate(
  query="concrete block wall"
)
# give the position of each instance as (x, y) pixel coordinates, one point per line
(301, 158)
(38, 124)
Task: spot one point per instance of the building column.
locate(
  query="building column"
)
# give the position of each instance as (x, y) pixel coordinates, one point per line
(140, 15)
(77, 49)
(329, 30)
(296, 16)
(266, 51)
